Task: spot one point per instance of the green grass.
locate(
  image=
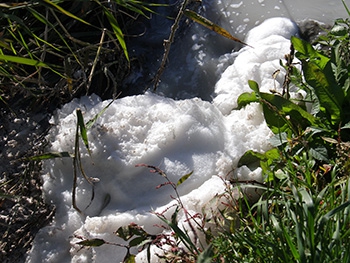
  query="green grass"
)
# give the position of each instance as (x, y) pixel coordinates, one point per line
(53, 51)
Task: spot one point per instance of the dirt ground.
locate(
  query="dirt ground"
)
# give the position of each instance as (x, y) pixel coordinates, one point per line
(22, 209)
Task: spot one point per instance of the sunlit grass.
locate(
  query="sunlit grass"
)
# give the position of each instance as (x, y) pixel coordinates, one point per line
(55, 50)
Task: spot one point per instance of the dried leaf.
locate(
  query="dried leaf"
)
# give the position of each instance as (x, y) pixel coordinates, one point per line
(214, 27)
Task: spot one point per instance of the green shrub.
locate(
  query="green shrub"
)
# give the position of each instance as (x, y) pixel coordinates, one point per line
(303, 213)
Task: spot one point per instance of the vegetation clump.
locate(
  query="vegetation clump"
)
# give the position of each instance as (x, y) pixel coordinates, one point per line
(53, 51)
(303, 213)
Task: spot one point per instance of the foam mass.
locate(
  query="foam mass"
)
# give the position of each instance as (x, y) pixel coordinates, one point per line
(178, 136)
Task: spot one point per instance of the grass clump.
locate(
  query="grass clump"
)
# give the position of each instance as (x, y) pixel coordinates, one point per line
(292, 222)
(53, 51)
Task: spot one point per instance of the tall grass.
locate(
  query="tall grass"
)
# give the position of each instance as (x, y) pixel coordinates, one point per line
(55, 50)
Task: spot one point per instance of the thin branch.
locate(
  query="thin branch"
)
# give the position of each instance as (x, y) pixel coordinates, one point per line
(167, 44)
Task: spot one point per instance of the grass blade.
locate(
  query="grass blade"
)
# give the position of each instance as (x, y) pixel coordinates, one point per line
(184, 178)
(83, 130)
(66, 12)
(93, 120)
(24, 61)
(117, 31)
(50, 155)
(214, 27)
(346, 7)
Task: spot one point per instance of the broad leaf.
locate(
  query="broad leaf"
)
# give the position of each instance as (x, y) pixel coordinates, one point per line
(253, 85)
(250, 157)
(282, 114)
(319, 75)
(319, 153)
(246, 98)
(305, 51)
(329, 94)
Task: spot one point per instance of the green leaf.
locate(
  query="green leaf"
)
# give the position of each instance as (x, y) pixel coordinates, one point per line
(282, 114)
(184, 178)
(346, 7)
(137, 6)
(290, 243)
(83, 131)
(206, 256)
(279, 139)
(129, 258)
(319, 75)
(307, 200)
(319, 153)
(94, 242)
(346, 126)
(304, 48)
(127, 232)
(266, 160)
(254, 86)
(137, 241)
(324, 220)
(305, 51)
(246, 98)
(184, 237)
(93, 120)
(329, 94)
(50, 155)
(124, 233)
(272, 154)
(250, 157)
